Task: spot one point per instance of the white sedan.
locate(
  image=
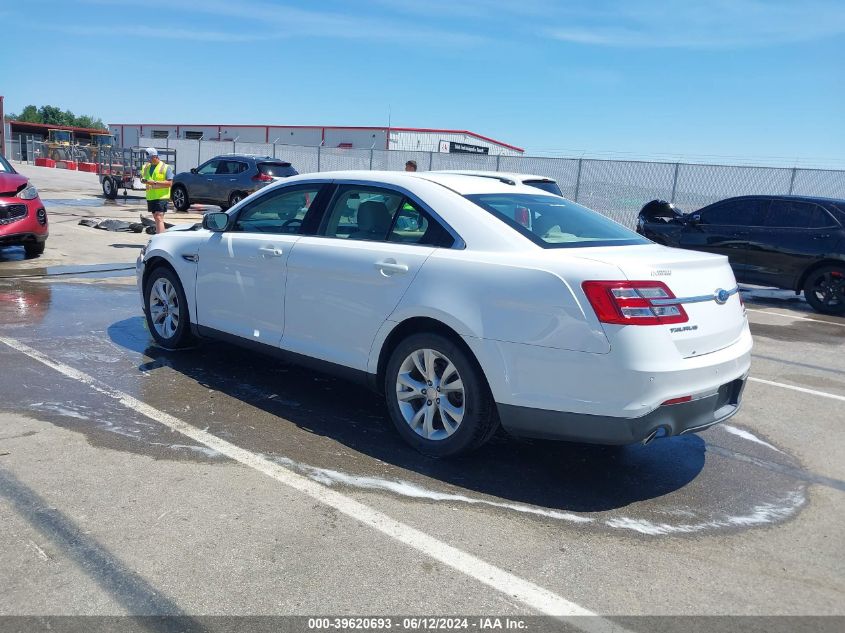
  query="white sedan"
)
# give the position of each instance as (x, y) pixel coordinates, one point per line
(468, 302)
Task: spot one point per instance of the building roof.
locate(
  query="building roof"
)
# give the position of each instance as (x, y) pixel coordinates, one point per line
(49, 126)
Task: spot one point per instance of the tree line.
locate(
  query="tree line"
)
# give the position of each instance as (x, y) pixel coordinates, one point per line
(52, 115)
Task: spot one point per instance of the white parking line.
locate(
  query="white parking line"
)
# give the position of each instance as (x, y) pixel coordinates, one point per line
(792, 316)
(524, 591)
(813, 392)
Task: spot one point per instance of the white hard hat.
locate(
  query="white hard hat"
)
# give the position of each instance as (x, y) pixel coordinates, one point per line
(151, 151)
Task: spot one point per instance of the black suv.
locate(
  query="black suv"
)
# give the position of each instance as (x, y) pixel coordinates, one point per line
(791, 242)
(226, 180)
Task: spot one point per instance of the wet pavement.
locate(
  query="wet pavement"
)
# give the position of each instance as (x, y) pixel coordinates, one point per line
(757, 499)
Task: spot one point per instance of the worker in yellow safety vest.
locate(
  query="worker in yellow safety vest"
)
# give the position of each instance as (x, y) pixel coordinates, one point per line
(158, 177)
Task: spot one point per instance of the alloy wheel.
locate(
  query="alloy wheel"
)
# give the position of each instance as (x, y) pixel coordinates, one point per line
(430, 394)
(829, 289)
(164, 308)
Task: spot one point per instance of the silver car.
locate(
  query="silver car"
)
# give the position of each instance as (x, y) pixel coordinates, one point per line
(226, 180)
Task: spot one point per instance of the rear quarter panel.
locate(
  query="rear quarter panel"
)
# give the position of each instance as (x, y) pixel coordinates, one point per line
(495, 296)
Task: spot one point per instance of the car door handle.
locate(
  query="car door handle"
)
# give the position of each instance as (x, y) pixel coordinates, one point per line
(388, 267)
(270, 251)
(233, 179)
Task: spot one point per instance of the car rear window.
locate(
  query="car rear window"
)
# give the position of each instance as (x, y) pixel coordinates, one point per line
(554, 222)
(546, 185)
(277, 169)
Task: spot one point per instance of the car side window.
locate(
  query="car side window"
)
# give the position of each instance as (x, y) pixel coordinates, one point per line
(362, 213)
(820, 219)
(414, 226)
(746, 212)
(789, 214)
(209, 168)
(281, 211)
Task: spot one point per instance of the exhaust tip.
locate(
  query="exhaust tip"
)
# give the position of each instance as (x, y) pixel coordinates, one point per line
(660, 431)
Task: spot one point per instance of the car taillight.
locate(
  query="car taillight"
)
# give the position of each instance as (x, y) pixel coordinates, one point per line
(262, 178)
(634, 302)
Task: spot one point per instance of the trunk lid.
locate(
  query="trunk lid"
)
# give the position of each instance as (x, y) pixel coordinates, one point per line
(715, 322)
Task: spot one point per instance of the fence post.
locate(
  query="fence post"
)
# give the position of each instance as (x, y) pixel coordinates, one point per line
(792, 180)
(318, 157)
(235, 146)
(430, 160)
(578, 180)
(498, 158)
(674, 183)
(274, 149)
(199, 151)
(371, 159)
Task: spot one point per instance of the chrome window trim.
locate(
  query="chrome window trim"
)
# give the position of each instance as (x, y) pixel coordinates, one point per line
(697, 299)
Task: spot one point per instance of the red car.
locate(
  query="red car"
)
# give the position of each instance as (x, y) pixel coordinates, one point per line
(23, 220)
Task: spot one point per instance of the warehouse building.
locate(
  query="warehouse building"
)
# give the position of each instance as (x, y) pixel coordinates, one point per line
(398, 138)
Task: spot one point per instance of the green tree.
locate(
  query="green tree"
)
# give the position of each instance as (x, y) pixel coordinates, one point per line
(53, 115)
(28, 114)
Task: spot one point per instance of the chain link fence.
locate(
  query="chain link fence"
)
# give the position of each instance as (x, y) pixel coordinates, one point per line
(615, 188)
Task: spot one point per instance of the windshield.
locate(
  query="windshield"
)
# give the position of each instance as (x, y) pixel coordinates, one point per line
(5, 167)
(546, 185)
(555, 222)
(60, 135)
(277, 170)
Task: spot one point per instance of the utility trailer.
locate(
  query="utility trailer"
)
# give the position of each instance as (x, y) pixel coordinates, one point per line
(120, 168)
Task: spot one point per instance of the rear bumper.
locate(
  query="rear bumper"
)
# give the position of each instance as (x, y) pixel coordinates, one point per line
(667, 420)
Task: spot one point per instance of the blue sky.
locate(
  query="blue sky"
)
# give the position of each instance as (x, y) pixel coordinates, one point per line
(730, 79)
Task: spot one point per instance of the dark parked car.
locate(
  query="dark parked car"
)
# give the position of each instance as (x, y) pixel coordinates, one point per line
(226, 180)
(791, 242)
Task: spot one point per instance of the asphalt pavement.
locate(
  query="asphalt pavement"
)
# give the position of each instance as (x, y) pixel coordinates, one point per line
(213, 481)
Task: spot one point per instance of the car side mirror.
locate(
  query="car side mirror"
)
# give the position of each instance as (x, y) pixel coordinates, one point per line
(216, 222)
(193, 170)
(693, 219)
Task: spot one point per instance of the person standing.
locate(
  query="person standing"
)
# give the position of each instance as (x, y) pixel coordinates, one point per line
(411, 165)
(158, 177)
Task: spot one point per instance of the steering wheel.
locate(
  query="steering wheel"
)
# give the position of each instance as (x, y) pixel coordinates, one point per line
(292, 222)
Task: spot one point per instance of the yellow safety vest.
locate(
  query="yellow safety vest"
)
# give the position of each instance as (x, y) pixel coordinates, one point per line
(157, 173)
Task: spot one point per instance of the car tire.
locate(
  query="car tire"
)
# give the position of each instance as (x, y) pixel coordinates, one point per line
(235, 198)
(164, 298)
(34, 249)
(457, 418)
(110, 188)
(179, 196)
(824, 289)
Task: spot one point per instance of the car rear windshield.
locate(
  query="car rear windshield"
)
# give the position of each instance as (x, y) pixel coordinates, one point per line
(545, 185)
(277, 170)
(555, 222)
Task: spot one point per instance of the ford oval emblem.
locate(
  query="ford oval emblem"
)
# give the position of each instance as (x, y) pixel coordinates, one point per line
(722, 296)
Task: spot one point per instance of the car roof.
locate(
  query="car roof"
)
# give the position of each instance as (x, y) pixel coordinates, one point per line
(459, 183)
(251, 156)
(510, 175)
(819, 199)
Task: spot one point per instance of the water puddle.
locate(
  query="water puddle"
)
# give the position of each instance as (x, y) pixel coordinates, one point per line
(92, 270)
(120, 201)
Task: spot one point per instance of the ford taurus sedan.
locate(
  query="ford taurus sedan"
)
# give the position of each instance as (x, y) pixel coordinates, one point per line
(467, 302)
